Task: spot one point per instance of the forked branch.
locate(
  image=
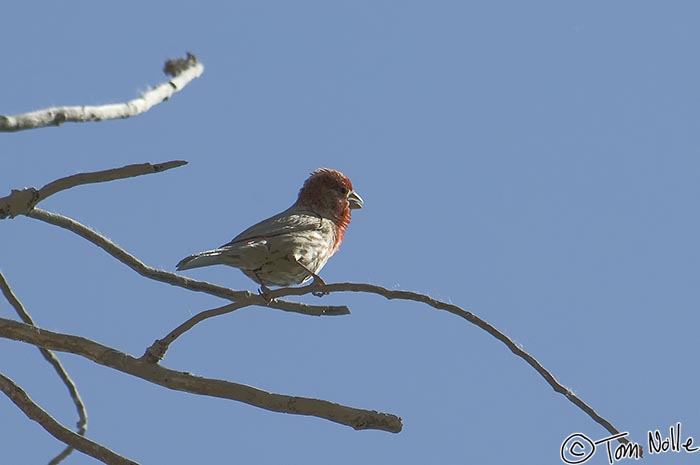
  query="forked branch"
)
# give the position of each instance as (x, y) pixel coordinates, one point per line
(158, 349)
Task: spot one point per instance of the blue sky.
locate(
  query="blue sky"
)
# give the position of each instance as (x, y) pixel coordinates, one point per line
(533, 162)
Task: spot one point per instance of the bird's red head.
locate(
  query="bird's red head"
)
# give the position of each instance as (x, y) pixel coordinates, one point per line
(329, 193)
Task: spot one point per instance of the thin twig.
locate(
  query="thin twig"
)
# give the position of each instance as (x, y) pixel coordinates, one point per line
(53, 427)
(183, 71)
(157, 350)
(177, 280)
(20, 202)
(57, 365)
(128, 171)
(180, 381)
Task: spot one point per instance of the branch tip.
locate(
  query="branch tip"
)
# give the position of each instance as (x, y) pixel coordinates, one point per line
(337, 311)
(21, 202)
(177, 66)
(182, 71)
(158, 167)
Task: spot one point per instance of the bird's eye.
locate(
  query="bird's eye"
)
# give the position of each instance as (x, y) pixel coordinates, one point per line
(343, 190)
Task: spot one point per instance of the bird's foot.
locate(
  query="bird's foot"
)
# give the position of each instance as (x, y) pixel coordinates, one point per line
(318, 281)
(265, 292)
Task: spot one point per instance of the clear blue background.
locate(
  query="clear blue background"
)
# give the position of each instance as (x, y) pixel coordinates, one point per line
(534, 162)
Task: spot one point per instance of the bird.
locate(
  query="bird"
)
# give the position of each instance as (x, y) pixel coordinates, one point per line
(291, 247)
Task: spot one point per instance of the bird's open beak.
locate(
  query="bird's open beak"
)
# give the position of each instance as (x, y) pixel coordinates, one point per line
(355, 200)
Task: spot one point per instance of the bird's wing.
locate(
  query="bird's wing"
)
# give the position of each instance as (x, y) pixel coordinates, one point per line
(289, 221)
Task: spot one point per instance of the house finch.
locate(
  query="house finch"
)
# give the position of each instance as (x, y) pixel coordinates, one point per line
(290, 247)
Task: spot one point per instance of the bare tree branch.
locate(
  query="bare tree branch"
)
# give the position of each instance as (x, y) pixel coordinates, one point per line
(177, 280)
(128, 171)
(180, 381)
(57, 365)
(160, 346)
(53, 427)
(469, 316)
(20, 202)
(183, 71)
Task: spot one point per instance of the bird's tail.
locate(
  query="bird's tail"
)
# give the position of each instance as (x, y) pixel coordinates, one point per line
(210, 257)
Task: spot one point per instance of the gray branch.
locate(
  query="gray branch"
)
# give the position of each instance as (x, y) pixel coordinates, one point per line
(181, 381)
(20, 202)
(57, 430)
(470, 317)
(55, 363)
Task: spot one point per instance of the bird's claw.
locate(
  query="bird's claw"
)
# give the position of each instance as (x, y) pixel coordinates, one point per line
(265, 292)
(318, 281)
